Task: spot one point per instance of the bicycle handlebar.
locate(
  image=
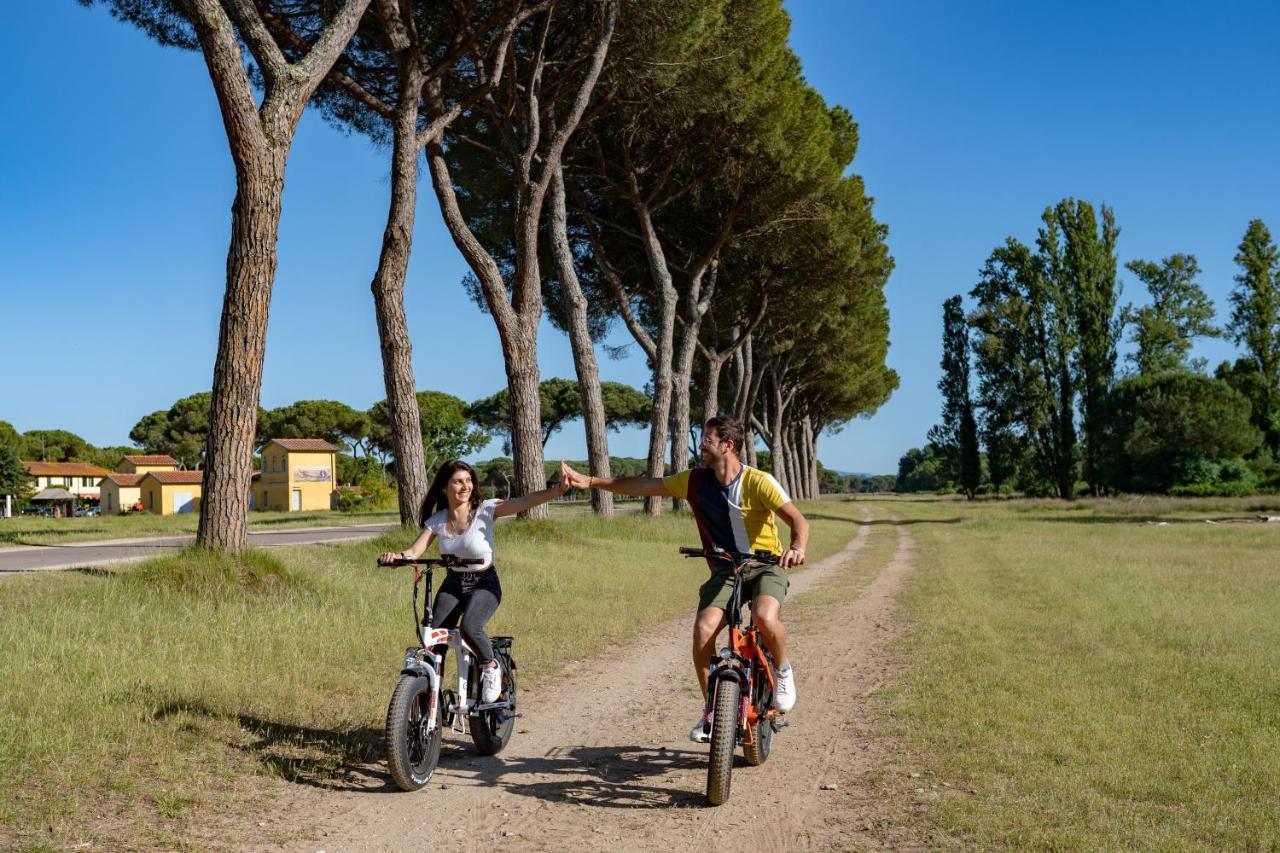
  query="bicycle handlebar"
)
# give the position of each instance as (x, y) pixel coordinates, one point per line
(446, 560)
(735, 557)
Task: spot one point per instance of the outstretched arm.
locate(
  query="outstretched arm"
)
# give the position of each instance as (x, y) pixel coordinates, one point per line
(529, 501)
(634, 486)
(413, 552)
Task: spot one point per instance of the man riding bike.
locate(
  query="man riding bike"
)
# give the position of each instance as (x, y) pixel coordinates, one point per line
(735, 507)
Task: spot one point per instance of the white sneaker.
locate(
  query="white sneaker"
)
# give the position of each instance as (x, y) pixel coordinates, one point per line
(490, 684)
(701, 731)
(784, 695)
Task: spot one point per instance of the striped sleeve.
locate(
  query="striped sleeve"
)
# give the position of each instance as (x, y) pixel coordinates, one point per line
(677, 485)
(770, 492)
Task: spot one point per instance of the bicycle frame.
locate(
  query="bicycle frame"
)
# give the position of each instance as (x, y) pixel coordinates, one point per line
(744, 648)
(427, 661)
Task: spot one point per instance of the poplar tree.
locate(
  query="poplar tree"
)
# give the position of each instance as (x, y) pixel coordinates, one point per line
(1082, 266)
(1024, 363)
(958, 431)
(1255, 325)
(1179, 312)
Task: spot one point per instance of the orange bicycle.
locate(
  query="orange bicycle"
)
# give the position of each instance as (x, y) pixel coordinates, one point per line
(740, 685)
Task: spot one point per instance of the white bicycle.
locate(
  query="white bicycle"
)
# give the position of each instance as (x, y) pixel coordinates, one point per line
(421, 708)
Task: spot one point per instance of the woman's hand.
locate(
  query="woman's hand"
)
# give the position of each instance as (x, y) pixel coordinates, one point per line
(390, 557)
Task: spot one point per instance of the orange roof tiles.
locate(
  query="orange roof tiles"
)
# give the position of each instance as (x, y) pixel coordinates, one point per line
(314, 445)
(152, 459)
(176, 478)
(126, 479)
(64, 469)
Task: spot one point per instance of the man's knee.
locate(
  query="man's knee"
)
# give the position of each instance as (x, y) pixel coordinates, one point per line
(706, 626)
(768, 617)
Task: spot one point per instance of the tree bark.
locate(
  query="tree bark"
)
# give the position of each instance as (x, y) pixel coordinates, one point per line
(388, 300)
(778, 430)
(584, 353)
(237, 369)
(662, 380)
(811, 448)
(793, 467)
(711, 400)
(696, 304)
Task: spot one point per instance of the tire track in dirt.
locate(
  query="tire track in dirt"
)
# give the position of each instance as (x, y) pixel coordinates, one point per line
(601, 760)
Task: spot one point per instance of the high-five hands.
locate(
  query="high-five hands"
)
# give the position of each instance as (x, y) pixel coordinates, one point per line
(574, 479)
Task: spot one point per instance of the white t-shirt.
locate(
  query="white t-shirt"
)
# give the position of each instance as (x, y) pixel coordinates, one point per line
(475, 544)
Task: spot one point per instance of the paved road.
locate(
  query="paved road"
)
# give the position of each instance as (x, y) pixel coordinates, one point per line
(73, 555)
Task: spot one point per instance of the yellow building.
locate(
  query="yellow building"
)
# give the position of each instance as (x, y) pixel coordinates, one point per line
(146, 463)
(169, 492)
(120, 492)
(79, 478)
(298, 475)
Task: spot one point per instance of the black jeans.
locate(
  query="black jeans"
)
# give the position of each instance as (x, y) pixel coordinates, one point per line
(471, 597)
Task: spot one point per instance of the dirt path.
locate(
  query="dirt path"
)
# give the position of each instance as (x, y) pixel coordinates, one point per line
(601, 759)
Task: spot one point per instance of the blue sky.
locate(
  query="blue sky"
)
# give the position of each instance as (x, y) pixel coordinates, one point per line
(116, 186)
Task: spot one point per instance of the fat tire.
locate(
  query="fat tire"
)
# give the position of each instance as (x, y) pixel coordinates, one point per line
(411, 760)
(724, 736)
(757, 753)
(488, 734)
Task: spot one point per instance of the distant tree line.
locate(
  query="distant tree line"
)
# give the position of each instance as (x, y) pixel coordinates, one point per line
(450, 428)
(1055, 412)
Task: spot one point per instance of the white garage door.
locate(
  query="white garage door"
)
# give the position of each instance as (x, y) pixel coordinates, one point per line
(182, 502)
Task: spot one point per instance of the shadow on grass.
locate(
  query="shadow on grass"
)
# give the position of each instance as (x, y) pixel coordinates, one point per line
(906, 522)
(94, 572)
(1142, 520)
(323, 521)
(333, 759)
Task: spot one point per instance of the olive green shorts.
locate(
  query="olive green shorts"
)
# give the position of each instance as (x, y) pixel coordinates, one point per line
(757, 579)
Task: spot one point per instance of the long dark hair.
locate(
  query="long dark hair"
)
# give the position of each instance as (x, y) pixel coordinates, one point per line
(436, 499)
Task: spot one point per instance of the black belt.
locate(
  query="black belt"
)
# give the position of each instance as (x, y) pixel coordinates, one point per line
(471, 574)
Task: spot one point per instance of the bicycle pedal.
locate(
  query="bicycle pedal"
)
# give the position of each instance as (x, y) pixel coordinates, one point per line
(777, 725)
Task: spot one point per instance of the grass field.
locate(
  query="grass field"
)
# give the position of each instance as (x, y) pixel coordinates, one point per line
(1090, 680)
(1080, 676)
(142, 705)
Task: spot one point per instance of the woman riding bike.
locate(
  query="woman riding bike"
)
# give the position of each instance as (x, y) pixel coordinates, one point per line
(455, 513)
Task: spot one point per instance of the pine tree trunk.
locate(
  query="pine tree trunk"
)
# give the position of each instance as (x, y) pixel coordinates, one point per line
(242, 339)
(388, 299)
(664, 343)
(745, 412)
(526, 427)
(681, 394)
(584, 353)
(793, 462)
(711, 401)
(811, 446)
(778, 428)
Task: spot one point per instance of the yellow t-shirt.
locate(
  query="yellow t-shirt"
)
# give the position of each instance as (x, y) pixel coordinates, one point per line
(737, 516)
